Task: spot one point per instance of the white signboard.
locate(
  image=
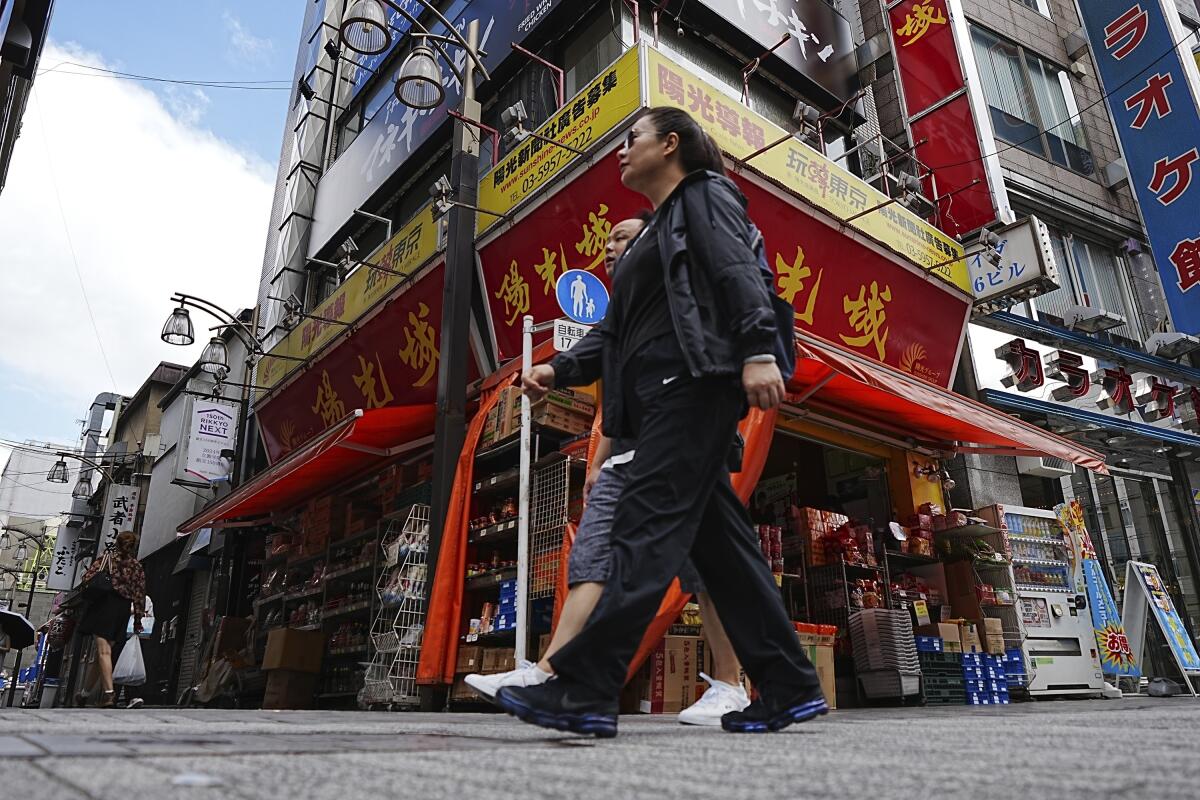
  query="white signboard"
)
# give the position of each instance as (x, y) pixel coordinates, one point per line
(1145, 595)
(61, 574)
(567, 333)
(1026, 267)
(120, 513)
(209, 427)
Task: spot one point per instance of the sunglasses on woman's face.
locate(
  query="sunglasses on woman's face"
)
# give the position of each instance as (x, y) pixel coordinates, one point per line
(634, 135)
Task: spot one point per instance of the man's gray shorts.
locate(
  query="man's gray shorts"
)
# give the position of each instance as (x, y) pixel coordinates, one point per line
(589, 562)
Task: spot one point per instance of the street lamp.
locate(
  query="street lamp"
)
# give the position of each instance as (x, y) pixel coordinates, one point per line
(83, 488)
(215, 358)
(178, 328)
(364, 30)
(58, 473)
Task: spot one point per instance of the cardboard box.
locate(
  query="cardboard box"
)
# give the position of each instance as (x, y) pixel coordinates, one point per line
(461, 692)
(293, 650)
(499, 659)
(822, 658)
(671, 676)
(994, 643)
(947, 631)
(990, 625)
(470, 659)
(289, 689)
(968, 634)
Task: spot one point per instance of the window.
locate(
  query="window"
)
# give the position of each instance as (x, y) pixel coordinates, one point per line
(1031, 102)
(1093, 275)
(1039, 6)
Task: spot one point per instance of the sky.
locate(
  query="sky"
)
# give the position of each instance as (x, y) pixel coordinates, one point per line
(121, 192)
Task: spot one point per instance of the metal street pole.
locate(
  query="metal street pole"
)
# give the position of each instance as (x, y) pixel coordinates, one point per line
(12, 688)
(458, 284)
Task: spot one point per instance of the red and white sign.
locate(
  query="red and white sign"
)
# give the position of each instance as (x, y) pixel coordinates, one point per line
(391, 360)
(842, 289)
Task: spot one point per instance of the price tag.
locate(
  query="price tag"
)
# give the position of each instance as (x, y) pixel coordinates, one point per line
(922, 612)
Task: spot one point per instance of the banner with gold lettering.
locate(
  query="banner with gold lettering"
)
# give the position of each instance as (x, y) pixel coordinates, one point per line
(842, 289)
(391, 360)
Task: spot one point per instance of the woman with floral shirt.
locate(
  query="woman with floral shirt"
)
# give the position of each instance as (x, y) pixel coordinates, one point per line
(107, 617)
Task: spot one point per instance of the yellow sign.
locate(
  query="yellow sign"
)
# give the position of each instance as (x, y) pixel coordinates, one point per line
(596, 110)
(918, 21)
(805, 172)
(409, 248)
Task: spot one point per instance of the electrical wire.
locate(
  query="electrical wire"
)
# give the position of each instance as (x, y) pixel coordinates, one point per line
(100, 72)
(70, 243)
(1078, 115)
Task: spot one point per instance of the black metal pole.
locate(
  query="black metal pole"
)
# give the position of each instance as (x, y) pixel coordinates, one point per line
(12, 689)
(458, 285)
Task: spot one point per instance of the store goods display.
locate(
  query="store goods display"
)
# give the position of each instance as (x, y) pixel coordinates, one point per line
(818, 642)
(809, 528)
(670, 679)
(941, 674)
(885, 654)
(288, 689)
(985, 679)
(770, 542)
(296, 650)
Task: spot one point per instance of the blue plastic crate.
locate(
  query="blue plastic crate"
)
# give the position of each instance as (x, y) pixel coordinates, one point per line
(972, 659)
(929, 644)
(986, 687)
(972, 673)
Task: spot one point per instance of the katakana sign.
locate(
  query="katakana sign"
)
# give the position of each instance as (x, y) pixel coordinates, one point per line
(1026, 267)
(1154, 105)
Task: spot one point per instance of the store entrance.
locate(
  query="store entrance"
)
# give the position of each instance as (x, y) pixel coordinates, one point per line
(808, 490)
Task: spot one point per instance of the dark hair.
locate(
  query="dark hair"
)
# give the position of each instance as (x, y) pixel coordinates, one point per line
(644, 214)
(697, 150)
(127, 543)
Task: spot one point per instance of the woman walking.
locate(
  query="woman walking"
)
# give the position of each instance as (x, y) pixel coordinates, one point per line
(687, 346)
(106, 618)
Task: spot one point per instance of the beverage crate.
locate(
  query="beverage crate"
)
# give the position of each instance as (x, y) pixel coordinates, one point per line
(889, 683)
(929, 644)
(940, 664)
(945, 697)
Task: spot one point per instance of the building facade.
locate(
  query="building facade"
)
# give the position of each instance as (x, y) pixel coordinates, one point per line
(23, 26)
(1049, 148)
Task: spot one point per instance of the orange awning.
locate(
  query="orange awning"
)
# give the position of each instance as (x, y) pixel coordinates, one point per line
(836, 385)
(349, 448)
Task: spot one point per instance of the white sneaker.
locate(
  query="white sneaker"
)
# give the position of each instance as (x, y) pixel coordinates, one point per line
(718, 700)
(526, 674)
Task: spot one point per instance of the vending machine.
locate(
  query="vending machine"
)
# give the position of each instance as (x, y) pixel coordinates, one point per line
(1060, 644)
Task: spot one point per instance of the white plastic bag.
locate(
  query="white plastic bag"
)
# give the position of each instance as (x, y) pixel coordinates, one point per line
(130, 669)
(147, 621)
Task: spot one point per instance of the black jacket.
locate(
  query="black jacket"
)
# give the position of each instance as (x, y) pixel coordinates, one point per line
(720, 304)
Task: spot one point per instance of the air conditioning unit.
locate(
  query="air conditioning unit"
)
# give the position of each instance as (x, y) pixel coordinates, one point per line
(1045, 467)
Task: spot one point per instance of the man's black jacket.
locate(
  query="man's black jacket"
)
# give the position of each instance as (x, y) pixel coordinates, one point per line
(720, 304)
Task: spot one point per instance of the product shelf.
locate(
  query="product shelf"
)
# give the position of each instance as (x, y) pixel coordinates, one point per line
(501, 530)
(351, 608)
(1019, 537)
(911, 559)
(490, 579)
(1034, 587)
(975, 529)
(350, 570)
(1040, 562)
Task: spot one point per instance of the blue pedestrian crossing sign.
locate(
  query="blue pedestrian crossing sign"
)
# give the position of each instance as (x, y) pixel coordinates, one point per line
(582, 296)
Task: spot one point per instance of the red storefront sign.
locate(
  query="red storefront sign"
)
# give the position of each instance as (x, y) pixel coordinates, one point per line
(927, 59)
(842, 290)
(925, 53)
(851, 295)
(391, 360)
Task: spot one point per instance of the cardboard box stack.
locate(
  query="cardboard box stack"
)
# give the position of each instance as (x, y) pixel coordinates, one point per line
(293, 663)
(324, 519)
(358, 519)
(499, 659)
(817, 642)
(670, 679)
(993, 635)
(809, 529)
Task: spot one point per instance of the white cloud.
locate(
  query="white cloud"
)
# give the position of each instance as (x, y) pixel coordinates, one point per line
(153, 205)
(187, 103)
(243, 44)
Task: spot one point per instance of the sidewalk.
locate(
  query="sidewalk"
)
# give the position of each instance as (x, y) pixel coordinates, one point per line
(1071, 749)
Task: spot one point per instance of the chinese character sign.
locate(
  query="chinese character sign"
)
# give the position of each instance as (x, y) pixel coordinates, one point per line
(391, 360)
(820, 45)
(61, 574)
(1154, 106)
(120, 514)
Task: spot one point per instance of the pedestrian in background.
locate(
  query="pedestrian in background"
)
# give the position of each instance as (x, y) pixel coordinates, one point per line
(689, 344)
(106, 617)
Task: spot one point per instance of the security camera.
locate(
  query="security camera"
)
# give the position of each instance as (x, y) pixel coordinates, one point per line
(349, 246)
(514, 116)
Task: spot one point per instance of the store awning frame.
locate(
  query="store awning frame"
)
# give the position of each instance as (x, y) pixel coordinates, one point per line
(334, 458)
(840, 388)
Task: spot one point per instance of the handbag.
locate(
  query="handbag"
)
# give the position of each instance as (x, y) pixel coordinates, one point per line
(99, 584)
(147, 621)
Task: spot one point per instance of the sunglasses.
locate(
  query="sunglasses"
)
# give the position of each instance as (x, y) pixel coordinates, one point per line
(633, 135)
